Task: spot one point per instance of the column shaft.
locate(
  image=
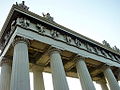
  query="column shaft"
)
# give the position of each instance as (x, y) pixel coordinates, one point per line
(38, 80)
(58, 73)
(5, 76)
(113, 84)
(85, 78)
(20, 67)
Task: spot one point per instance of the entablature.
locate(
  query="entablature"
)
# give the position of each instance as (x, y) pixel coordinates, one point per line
(34, 23)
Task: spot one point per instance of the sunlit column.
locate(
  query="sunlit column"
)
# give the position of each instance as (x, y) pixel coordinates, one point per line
(20, 67)
(5, 76)
(85, 78)
(103, 84)
(113, 84)
(58, 73)
(38, 78)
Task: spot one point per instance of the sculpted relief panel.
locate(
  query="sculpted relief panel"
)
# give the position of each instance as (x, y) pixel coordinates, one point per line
(40, 28)
(54, 33)
(77, 42)
(68, 39)
(23, 22)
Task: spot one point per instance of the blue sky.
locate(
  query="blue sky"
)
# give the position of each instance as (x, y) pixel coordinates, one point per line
(96, 19)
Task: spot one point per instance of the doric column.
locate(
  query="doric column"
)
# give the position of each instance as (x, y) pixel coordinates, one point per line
(85, 78)
(38, 78)
(103, 84)
(5, 76)
(58, 73)
(20, 67)
(113, 84)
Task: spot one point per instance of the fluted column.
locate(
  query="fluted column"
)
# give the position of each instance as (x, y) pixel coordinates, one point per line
(38, 78)
(103, 84)
(113, 84)
(85, 78)
(5, 76)
(58, 73)
(20, 67)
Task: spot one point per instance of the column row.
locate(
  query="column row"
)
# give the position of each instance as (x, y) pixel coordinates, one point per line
(19, 79)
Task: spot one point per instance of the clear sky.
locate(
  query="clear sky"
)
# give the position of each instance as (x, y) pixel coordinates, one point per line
(96, 19)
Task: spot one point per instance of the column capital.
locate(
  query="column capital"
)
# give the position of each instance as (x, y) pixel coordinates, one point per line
(78, 58)
(5, 61)
(37, 68)
(117, 73)
(104, 67)
(21, 39)
(52, 50)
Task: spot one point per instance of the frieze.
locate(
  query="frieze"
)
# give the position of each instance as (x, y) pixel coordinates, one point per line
(40, 28)
(92, 49)
(104, 53)
(98, 51)
(6, 37)
(95, 50)
(54, 33)
(117, 58)
(68, 39)
(110, 55)
(77, 42)
(88, 47)
(25, 23)
(13, 24)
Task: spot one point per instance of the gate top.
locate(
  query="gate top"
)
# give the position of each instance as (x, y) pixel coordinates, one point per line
(21, 10)
(43, 32)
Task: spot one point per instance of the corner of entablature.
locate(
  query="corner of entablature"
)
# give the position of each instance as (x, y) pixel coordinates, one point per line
(21, 39)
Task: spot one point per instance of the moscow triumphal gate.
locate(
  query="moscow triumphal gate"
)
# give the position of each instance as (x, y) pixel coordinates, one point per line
(33, 43)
